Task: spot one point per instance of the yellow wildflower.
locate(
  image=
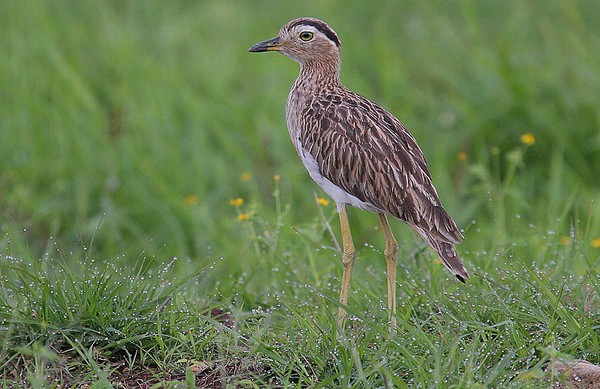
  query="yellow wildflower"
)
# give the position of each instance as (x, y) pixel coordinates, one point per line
(236, 202)
(527, 139)
(246, 176)
(462, 156)
(596, 243)
(565, 240)
(243, 216)
(322, 201)
(191, 199)
(276, 177)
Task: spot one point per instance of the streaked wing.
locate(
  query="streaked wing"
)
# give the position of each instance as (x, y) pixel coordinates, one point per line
(365, 150)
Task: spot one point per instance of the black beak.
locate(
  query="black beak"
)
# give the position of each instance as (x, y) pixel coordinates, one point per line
(268, 45)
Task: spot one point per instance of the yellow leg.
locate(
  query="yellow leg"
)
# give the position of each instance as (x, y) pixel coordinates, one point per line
(391, 260)
(348, 256)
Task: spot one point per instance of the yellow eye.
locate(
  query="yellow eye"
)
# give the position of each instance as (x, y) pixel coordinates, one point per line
(306, 36)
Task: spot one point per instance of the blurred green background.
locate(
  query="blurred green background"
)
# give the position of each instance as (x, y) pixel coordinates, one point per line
(147, 176)
(127, 127)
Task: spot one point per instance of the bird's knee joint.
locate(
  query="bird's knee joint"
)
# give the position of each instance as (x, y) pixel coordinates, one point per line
(391, 251)
(348, 257)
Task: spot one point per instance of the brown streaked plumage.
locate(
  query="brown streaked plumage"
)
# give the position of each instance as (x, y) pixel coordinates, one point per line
(359, 153)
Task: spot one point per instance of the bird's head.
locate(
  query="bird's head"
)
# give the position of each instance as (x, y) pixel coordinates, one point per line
(304, 40)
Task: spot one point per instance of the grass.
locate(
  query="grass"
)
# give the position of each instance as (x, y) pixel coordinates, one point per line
(127, 129)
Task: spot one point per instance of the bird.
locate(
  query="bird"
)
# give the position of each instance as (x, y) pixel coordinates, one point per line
(360, 154)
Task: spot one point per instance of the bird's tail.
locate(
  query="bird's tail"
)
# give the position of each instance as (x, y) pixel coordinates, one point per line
(447, 254)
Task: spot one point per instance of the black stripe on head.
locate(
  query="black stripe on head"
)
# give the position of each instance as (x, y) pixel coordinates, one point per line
(320, 26)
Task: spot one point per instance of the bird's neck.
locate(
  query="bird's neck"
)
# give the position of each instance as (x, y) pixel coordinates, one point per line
(319, 74)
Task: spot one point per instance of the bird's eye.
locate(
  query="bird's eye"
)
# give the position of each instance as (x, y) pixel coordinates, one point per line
(306, 36)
